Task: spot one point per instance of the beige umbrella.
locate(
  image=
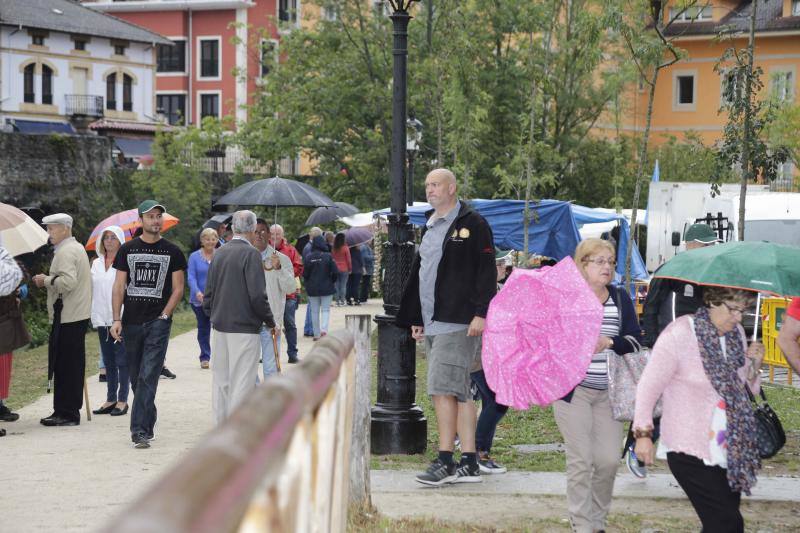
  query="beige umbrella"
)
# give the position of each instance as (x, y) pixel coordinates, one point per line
(19, 233)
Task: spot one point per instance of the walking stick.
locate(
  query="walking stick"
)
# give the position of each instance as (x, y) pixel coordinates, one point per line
(275, 350)
(86, 400)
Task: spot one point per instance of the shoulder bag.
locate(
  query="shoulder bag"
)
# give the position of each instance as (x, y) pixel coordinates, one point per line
(770, 436)
(624, 373)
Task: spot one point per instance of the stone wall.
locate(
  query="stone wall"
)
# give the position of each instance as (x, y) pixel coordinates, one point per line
(63, 173)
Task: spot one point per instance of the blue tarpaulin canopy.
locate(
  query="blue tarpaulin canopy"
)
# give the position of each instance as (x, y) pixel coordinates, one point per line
(553, 229)
(35, 126)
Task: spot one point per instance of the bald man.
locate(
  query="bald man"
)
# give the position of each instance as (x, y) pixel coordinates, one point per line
(445, 303)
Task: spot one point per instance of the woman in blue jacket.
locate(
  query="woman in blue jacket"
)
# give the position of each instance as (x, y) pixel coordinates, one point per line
(320, 274)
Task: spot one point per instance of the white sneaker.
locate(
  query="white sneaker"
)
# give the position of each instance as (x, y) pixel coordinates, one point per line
(637, 469)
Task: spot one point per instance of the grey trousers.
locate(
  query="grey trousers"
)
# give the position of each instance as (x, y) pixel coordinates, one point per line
(234, 369)
(592, 439)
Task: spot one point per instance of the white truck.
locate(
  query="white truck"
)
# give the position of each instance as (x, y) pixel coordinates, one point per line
(772, 216)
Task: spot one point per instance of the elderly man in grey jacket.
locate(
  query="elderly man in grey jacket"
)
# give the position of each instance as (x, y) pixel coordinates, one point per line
(236, 300)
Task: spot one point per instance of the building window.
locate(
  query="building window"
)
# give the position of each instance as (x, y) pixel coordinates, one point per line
(330, 13)
(119, 49)
(111, 92)
(80, 44)
(783, 85)
(269, 56)
(796, 8)
(209, 105)
(37, 39)
(30, 93)
(698, 13)
(209, 58)
(171, 58)
(127, 93)
(685, 90)
(287, 10)
(730, 87)
(47, 85)
(172, 106)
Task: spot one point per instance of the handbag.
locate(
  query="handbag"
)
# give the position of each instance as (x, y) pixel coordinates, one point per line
(13, 333)
(770, 436)
(624, 373)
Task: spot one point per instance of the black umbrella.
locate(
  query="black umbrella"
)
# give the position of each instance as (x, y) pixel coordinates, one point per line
(52, 347)
(217, 220)
(278, 192)
(325, 215)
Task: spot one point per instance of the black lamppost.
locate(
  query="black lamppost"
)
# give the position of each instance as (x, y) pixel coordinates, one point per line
(398, 424)
(413, 138)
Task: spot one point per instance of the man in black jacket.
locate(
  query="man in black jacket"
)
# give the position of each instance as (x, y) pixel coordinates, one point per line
(445, 303)
(667, 299)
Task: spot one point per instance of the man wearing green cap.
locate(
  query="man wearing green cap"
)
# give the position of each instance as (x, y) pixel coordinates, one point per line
(149, 283)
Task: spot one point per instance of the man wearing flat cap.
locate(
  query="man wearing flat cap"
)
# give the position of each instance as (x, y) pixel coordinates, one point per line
(70, 280)
(150, 284)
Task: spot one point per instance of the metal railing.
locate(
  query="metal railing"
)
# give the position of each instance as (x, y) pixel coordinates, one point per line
(84, 104)
(280, 462)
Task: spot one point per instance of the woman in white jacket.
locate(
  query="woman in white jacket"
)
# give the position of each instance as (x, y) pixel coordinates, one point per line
(113, 353)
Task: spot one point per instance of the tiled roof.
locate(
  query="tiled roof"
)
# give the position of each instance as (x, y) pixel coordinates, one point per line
(70, 17)
(129, 125)
(768, 18)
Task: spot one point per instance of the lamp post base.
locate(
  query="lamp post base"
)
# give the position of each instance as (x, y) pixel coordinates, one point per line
(398, 424)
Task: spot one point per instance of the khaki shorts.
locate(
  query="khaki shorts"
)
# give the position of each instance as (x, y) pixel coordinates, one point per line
(451, 356)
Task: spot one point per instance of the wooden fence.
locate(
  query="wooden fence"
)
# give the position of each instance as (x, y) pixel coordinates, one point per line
(280, 463)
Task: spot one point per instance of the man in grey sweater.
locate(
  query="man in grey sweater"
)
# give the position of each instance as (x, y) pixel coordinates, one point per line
(236, 300)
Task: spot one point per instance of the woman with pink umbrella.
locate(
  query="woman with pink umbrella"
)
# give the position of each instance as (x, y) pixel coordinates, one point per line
(591, 435)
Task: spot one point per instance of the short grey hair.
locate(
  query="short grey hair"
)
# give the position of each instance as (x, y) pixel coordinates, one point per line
(314, 232)
(243, 222)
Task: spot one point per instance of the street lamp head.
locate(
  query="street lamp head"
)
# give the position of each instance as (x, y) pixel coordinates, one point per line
(413, 134)
(401, 6)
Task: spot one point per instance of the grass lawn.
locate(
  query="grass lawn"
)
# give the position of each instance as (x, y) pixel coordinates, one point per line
(537, 426)
(29, 371)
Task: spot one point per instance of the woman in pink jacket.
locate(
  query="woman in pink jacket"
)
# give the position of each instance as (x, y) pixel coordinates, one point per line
(700, 367)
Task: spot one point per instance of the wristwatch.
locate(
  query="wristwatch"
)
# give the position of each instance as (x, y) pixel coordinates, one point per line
(165, 316)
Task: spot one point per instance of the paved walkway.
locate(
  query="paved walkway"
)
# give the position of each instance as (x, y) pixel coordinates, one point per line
(77, 478)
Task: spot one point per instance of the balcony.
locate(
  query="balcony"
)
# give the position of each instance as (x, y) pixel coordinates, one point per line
(84, 105)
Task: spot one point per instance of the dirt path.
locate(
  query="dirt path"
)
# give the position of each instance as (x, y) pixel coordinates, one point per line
(77, 478)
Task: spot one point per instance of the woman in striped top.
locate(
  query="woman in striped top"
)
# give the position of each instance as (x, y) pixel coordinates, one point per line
(591, 435)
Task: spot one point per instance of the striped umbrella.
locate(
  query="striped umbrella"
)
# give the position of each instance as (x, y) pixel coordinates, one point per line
(128, 221)
(19, 233)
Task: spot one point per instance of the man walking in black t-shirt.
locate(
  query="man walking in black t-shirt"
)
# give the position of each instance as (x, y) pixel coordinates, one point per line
(149, 283)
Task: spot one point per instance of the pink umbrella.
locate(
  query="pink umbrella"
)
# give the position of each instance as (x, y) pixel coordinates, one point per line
(540, 334)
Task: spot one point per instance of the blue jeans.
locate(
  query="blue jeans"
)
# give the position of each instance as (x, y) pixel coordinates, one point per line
(491, 413)
(341, 286)
(146, 346)
(320, 313)
(308, 328)
(268, 352)
(116, 365)
(203, 332)
(290, 326)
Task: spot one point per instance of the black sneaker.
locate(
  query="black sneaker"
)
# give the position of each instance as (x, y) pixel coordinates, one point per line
(467, 473)
(294, 360)
(140, 441)
(438, 474)
(165, 373)
(6, 415)
(488, 466)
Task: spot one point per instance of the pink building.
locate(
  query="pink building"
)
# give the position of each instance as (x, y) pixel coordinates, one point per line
(206, 73)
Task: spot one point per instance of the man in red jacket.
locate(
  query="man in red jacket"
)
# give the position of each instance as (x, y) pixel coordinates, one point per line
(289, 325)
(790, 335)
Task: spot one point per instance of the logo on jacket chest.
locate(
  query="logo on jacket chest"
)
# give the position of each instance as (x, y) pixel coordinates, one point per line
(459, 235)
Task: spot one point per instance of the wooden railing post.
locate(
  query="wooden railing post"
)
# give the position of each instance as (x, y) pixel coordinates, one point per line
(360, 327)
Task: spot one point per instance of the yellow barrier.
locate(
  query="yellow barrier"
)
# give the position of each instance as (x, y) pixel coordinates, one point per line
(772, 313)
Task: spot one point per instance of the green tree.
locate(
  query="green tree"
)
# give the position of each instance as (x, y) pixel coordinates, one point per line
(178, 177)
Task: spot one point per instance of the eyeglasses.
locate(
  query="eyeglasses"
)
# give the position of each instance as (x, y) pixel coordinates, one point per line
(734, 310)
(602, 262)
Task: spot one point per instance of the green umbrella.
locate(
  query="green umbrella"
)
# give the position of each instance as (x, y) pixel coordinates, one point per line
(754, 266)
